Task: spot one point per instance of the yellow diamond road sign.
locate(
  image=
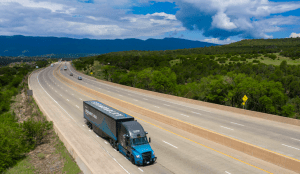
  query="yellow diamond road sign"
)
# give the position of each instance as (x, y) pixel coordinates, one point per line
(91, 72)
(245, 98)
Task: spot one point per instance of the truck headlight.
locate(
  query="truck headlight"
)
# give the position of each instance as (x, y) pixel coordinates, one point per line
(138, 156)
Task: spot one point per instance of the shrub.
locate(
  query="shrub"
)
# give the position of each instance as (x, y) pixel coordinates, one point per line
(35, 130)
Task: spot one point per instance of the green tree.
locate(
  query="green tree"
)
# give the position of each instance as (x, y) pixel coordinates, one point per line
(283, 66)
(288, 110)
(163, 80)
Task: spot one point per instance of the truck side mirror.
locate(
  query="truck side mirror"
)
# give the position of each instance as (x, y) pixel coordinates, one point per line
(146, 132)
(149, 140)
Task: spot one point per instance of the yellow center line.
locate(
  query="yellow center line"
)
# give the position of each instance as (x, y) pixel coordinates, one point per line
(168, 130)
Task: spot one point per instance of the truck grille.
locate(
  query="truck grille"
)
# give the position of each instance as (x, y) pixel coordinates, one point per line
(146, 156)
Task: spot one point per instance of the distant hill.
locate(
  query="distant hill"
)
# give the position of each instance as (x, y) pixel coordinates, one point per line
(35, 46)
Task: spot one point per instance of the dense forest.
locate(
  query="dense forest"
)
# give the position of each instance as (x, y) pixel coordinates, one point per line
(16, 139)
(216, 74)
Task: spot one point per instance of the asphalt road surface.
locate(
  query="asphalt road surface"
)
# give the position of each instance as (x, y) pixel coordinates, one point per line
(177, 151)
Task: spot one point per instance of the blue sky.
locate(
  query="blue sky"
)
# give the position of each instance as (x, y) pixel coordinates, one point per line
(215, 21)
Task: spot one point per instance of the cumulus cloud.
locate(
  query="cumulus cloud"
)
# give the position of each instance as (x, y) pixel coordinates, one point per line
(245, 18)
(295, 35)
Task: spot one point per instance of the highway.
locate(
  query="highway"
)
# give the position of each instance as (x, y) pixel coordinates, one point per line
(177, 151)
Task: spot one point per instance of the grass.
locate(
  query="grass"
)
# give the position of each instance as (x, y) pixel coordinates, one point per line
(41, 155)
(22, 167)
(173, 62)
(70, 165)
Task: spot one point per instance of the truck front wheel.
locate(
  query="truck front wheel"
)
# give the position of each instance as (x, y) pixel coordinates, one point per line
(132, 159)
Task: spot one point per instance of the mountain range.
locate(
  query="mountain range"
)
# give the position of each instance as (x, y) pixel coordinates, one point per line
(19, 45)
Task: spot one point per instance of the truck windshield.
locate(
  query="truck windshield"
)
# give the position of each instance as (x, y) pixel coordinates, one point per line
(140, 141)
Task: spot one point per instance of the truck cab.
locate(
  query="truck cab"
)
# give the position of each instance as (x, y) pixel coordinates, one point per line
(134, 144)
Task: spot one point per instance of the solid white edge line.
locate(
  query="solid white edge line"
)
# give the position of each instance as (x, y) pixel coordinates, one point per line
(156, 106)
(170, 144)
(141, 170)
(77, 106)
(227, 172)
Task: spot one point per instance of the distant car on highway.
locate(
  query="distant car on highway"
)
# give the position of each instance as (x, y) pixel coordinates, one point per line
(71, 74)
(79, 78)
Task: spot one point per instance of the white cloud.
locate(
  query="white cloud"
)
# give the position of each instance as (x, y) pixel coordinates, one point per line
(217, 41)
(295, 35)
(221, 20)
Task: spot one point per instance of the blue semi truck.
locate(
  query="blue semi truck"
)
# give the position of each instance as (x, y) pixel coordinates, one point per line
(124, 133)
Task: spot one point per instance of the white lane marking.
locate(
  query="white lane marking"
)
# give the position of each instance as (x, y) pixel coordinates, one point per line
(291, 147)
(295, 139)
(170, 144)
(121, 166)
(105, 142)
(52, 88)
(72, 94)
(55, 91)
(226, 127)
(108, 91)
(77, 106)
(97, 135)
(120, 95)
(141, 170)
(196, 113)
(166, 105)
(227, 172)
(66, 90)
(60, 94)
(184, 115)
(68, 99)
(82, 125)
(90, 130)
(115, 149)
(145, 99)
(80, 98)
(236, 123)
(156, 106)
(52, 98)
(135, 100)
